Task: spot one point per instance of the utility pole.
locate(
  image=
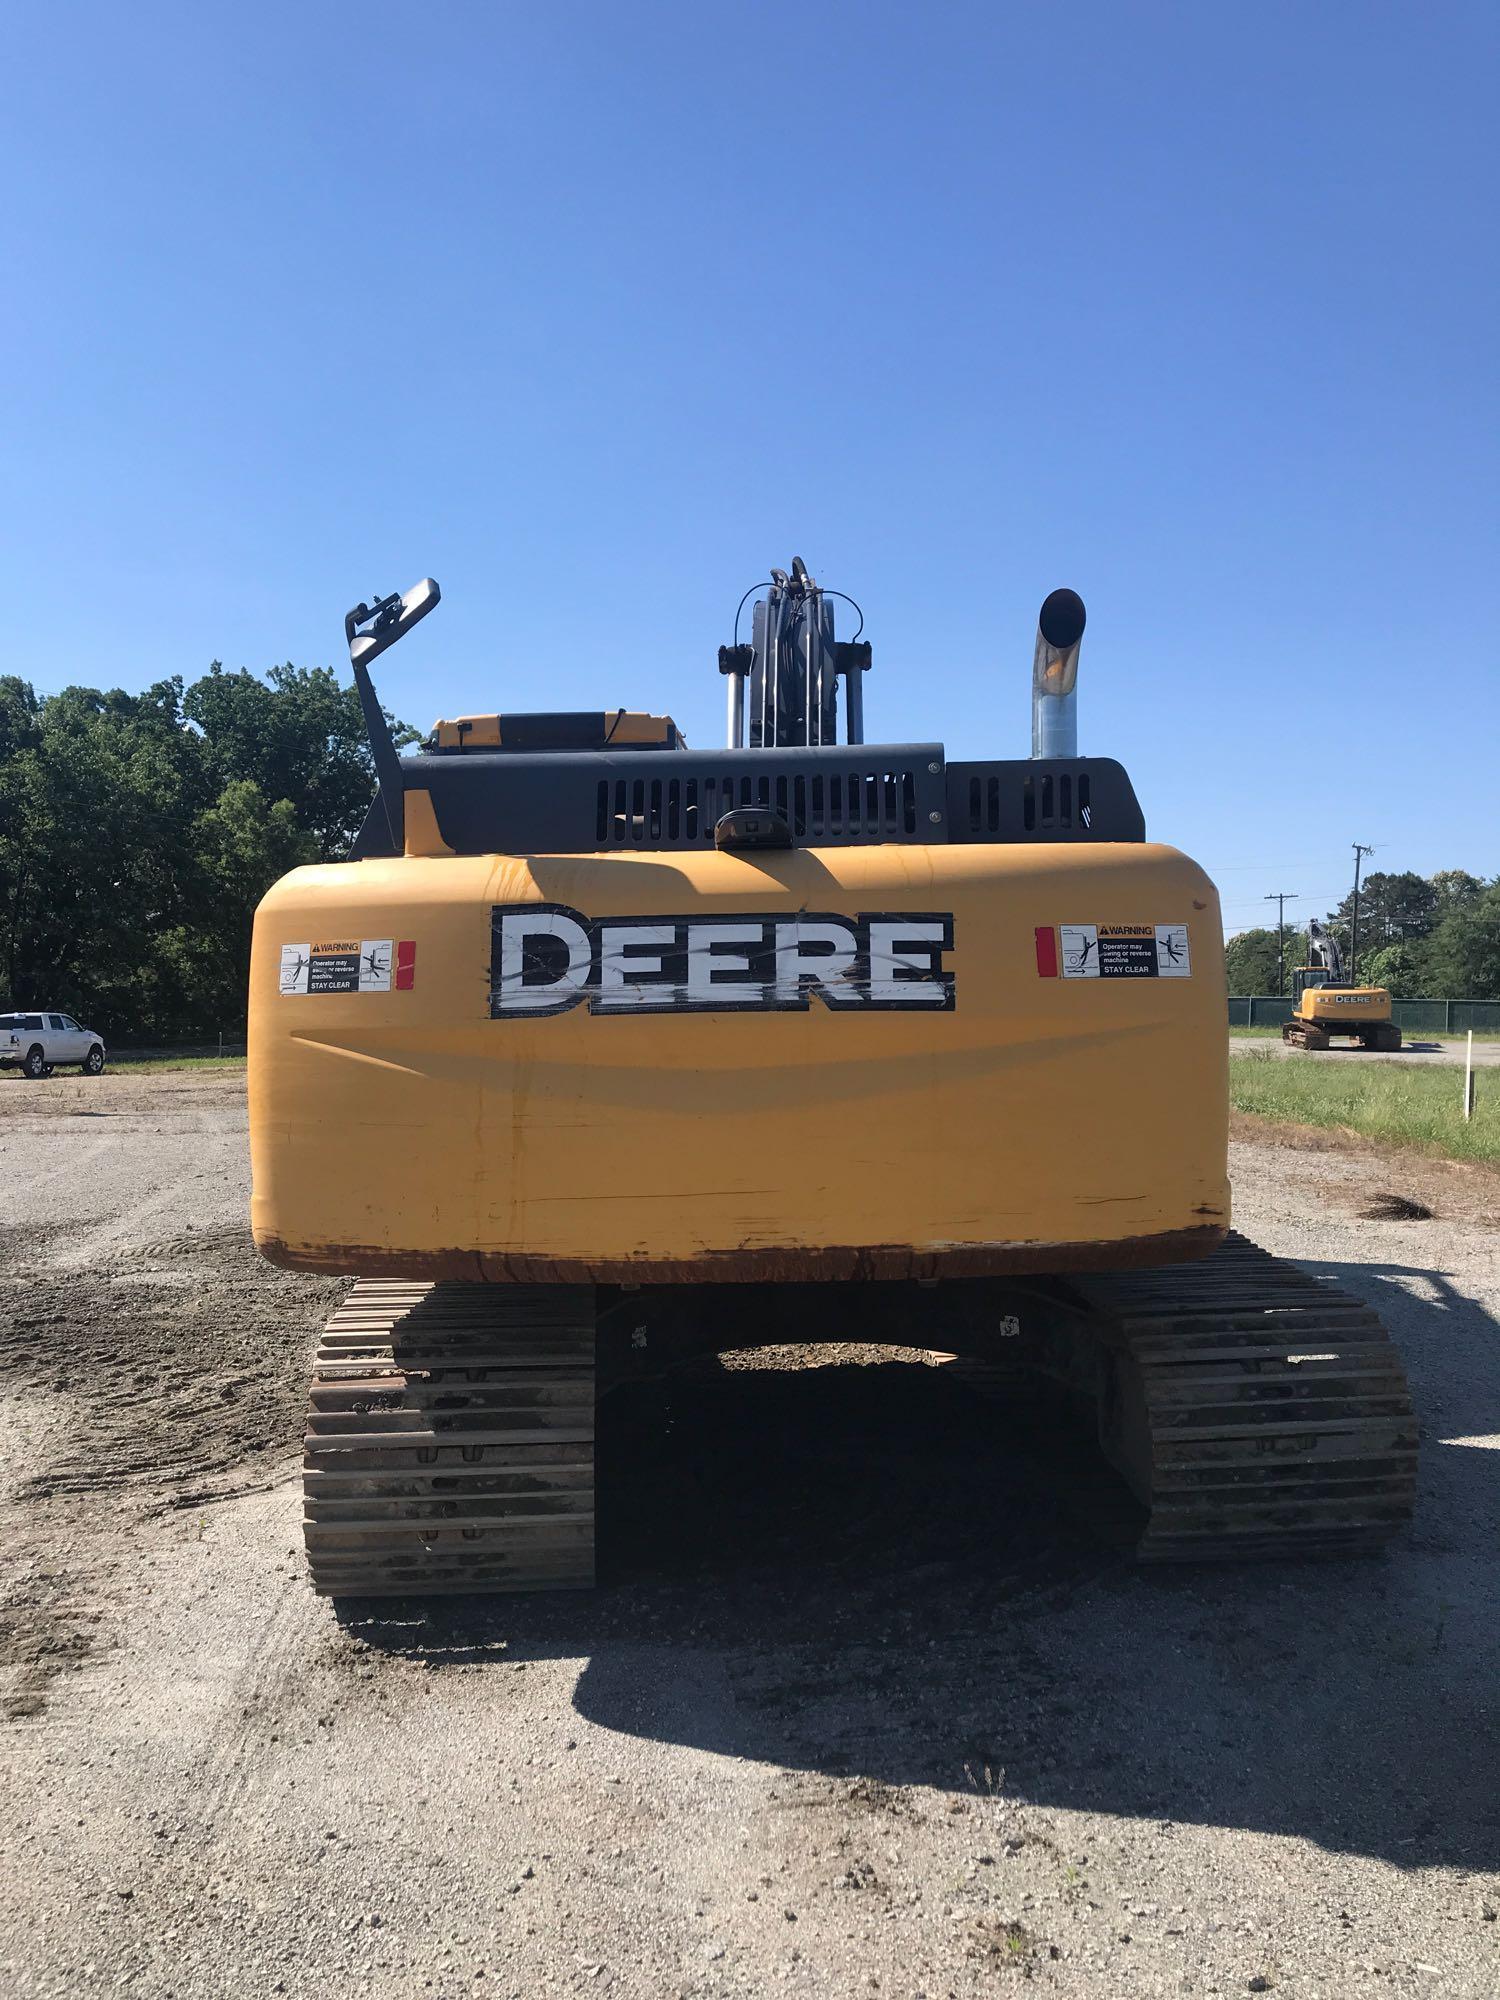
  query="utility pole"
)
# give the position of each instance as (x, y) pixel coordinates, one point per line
(1281, 897)
(1359, 854)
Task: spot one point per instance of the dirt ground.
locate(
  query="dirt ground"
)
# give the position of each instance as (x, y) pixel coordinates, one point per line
(859, 1708)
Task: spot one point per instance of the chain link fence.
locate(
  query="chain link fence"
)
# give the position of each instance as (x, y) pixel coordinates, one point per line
(1424, 1017)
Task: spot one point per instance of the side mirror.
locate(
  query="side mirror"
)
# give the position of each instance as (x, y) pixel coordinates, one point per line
(370, 628)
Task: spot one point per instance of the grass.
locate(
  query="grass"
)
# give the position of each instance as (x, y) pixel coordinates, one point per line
(1454, 1037)
(132, 1064)
(1404, 1107)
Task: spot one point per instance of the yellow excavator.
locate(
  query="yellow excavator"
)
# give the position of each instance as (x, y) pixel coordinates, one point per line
(602, 1054)
(1325, 1004)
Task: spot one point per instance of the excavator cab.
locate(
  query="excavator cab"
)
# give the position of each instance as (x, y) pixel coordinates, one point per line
(1305, 978)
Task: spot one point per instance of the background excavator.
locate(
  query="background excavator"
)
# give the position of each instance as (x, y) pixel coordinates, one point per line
(602, 1055)
(1325, 1004)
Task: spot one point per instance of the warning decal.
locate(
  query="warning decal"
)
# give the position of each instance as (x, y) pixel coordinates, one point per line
(1123, 951)
(349, 965)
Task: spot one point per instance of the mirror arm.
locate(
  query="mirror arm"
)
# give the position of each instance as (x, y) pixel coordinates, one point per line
(386, 620)
(387, 761)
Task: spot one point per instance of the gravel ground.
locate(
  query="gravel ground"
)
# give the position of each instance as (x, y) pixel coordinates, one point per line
(859, 1708)
(1419, 1054)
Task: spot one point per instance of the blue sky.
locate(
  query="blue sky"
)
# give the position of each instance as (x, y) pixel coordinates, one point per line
(595, 312)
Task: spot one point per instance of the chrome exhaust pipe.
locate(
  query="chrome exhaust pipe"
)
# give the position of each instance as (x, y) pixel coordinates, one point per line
(1054, 676)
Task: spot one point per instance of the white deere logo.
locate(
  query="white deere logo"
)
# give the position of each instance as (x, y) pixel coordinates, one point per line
(546, 958)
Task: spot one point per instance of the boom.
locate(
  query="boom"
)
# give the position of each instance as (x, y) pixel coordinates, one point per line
(1325, 950)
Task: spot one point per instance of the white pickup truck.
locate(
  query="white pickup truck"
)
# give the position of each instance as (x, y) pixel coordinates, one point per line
(36, 1043)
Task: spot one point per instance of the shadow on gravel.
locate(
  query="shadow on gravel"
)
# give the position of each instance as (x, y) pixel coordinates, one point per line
(874, 1574)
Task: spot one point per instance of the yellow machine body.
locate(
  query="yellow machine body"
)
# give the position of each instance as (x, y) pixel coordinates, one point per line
(1339, 1008)
(1038, 1116)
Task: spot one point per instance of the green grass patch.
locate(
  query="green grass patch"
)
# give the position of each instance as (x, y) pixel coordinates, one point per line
(1405, 1107)
(1453, 1040)
(127, 1065)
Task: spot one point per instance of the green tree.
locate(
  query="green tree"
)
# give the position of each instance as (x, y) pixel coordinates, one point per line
(96, 811)
(1463, 956)
(1252, 960)
(298, 735)
(1399, 968)
(19, 718)
(138, 832)
(241, 845)
(1455, 889)
(1393, 909)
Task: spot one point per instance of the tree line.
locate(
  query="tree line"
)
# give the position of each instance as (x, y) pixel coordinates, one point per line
(1419, 935)
(139, 831)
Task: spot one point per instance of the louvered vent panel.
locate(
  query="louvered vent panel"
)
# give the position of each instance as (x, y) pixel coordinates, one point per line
(848, 805)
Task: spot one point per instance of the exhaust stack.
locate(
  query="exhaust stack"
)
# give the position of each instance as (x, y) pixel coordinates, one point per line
(1054, 676)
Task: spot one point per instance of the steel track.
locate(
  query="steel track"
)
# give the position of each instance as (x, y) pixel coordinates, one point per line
(450, 1441)
(1255, 1411)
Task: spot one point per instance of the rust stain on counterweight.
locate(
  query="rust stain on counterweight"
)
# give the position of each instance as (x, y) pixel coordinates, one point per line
(830, 1263)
